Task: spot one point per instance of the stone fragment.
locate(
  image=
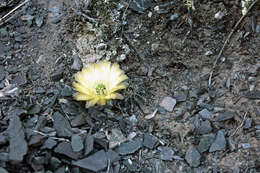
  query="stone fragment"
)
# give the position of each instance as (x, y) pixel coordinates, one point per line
(168, 103)
(219, 15)
(205, 114)
(49, 144)
(253, 94)
(37, 140)
(248, 123)
(35, 109)
(116, 138)
(66, 149)
(140, 5)
(78, 120)
(66, 91)
(219, 143)
(20, 79)
(17, 143)
(192, 156)
(4, 157)
(180, 96)
(174, 16)
(57, 74)
(150, 141)
(70, 108)
(160, 166)
(2, 73)
(205, 142)
(55, 163)
(166, 153)
(204, 127)
(61, 169)
(96, 162)
(224, 116)
(37, 163)
(62, 125)
(76, 143)
(112, 156)
(3, 139)
(205, 105)
(89, 144)
(2, 170)
(246, 146)
(130, 147)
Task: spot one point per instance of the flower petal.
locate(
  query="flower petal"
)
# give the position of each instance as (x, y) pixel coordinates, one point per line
(114, 96)
(118, 87)
(101, 102)
(92, 102)
(82, 97)
(82, 89)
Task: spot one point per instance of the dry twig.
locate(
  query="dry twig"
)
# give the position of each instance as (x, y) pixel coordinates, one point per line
(55, 138)
(12, 11)
(241, 125)
(227, 40)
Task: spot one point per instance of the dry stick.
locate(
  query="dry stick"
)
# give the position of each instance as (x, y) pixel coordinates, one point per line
(241, 125)
(227, 40)
(55, 138)
(13, 10)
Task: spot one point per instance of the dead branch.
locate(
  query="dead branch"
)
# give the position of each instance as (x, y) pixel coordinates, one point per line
(227, 40)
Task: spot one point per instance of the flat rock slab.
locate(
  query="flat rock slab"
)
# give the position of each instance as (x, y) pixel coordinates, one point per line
(66, 149)
(77, 143)
(130, 147)
(204, 127)
(205, 114)
(193, 157)
(219, 143)
(224, 116)
(205, 142)
(150, 141)
(62, 125)
(89, 144)
(18, 146)
(2, 72)
(37, 140)
(49, 144)
(96, 162)
(168, 103)
(116, 138)
(166, 153)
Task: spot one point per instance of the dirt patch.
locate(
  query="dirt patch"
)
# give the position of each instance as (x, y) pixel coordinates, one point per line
(166, 51)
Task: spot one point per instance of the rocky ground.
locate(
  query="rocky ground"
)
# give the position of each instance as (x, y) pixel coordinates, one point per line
(171, 120)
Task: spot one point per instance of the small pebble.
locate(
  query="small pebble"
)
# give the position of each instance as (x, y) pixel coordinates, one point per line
(246, 146)
(168, 103)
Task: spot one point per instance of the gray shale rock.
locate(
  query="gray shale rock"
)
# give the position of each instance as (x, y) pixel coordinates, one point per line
(18, 146)
(130, 147)
(225, 116)
(62, 125)
(168, 103)
(95, 162)
(193, 157)
(150, 141)
(66, 149)
(205, 142)
(166, 153)
(205, 114)
(76, 143)
(219, 143)
(204, 127)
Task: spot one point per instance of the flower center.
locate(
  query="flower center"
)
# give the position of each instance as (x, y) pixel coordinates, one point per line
(101, 89)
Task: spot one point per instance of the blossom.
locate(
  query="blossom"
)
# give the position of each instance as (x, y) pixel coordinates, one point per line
(98, 83)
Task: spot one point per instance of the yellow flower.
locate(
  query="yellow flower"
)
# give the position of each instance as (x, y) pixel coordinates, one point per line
(99, 82)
